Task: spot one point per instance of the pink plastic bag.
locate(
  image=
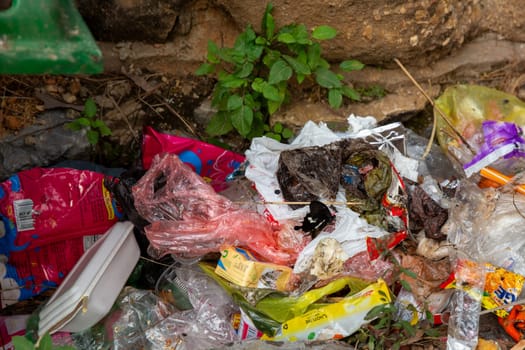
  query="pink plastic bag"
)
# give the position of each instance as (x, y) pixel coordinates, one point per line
(209, 161)
(48, 219)
(41, 206)
(188, 219)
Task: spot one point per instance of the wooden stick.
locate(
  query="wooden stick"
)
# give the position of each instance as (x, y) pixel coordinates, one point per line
(296, 203)
(434, 124)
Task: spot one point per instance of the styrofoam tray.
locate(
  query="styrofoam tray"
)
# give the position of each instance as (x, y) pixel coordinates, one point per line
(90, 289)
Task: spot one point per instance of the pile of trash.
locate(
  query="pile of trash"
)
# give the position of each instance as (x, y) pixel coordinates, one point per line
(325, 242)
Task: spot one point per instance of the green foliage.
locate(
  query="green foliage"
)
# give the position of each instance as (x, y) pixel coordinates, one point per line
(46, 343)
(374, 91)
(278, 132)
(387, 330)
(95, 127)
(254, 75)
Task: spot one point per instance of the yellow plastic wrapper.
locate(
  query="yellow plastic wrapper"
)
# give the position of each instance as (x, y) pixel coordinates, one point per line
(337, 320)
(485, 128)
(240, 267)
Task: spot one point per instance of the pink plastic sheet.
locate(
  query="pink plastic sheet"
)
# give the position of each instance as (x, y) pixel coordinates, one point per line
(189, 219)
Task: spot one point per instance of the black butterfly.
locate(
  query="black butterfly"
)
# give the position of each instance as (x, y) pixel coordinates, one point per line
(317, 219)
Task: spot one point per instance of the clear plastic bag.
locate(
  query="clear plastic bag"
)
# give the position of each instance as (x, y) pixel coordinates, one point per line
(206, 325)
(487, 225)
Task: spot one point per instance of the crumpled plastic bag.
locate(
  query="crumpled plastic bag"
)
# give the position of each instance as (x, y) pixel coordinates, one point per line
(489, 123)
(189, 219)
(313, 173)
(487, 225)
(272, 309)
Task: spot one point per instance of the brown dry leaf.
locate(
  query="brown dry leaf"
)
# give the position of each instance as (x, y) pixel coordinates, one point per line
(13, 123)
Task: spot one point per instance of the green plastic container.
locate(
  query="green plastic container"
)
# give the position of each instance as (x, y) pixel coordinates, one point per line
(46, 37)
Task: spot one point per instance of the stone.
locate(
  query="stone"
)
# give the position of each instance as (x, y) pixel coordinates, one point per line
(141, 20)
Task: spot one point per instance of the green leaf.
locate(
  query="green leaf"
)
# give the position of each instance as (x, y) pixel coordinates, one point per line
(300, 78)
(273, 106)
(102, 127)
(409, 273)
(83, 121)
(300, 34)
(268, 23)
(105, 131)
(351, 93)
(287, 133)
(243, 40)
(335, 98)
(326, 78)
(274, 136)
(405, 285)
(22, 343)
(286, 38)
(257, 126)
(351, 65)
(205, 69)
(213, 52)
(242, 120)
(375, 312)
(232, 82)
(74, 126)
(258, 84)
(254, 51)
(278, 128)
(46, 343)
(226, 54)
(432, 332)
(250, 102)
(429, 316)
(93, 136)
(234, 102)
(220, 97)
(220, 124)
(298, 66)
(407, 327)
(324, 32)
(245, 70)
(279, 71)
(90, 108)
(270, 57)
(261, 41)
(313, 53)
(271, 93)
(323, 63)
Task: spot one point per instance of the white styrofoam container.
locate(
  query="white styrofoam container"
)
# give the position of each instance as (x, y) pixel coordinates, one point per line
(88, 292)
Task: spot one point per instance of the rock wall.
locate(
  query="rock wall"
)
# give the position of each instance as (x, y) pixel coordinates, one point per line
(375, 31)
(441, 41)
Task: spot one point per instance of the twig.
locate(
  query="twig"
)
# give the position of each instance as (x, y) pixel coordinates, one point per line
(175, 113)
(296, 203)
(25, 133)
(151, 106)
(441, 113)
(124, 116)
